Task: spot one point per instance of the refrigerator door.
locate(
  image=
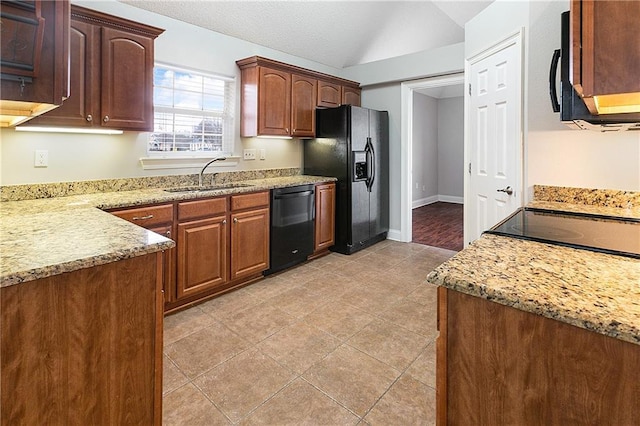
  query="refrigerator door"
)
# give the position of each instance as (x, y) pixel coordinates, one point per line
(359, 126)
(379, 195)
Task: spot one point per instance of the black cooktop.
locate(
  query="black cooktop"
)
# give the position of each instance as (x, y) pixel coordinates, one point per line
(613, 235)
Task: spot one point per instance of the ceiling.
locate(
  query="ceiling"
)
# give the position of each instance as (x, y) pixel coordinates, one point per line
(335, 33)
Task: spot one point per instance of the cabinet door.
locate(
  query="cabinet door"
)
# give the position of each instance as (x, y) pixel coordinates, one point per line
(82, 106)
(325, 216)
(169, 263)
(202, 255)
(329, 94)
(350, 96)
(274, 102)
(249, 242)
(606, 54)
(303, 105)
(127, 80)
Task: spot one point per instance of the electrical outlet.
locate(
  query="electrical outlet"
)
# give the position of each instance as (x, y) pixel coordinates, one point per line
(42, 158)
(249, 154)
(263, 154)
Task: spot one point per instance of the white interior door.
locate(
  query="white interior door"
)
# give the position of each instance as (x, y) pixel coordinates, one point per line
(494, 137)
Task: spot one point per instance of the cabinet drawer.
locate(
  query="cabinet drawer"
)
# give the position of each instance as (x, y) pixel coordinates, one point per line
(147, 216)
(201, 208)
(247, 201)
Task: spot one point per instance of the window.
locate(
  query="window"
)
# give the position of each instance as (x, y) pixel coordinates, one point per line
(193, 112)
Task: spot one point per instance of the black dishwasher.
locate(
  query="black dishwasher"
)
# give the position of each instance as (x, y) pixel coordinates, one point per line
(292, 230)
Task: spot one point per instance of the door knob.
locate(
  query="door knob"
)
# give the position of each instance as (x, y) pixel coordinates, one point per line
(506, 190)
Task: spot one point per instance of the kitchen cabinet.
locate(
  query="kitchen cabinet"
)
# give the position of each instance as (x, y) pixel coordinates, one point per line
(279, 99)
(159, 219)
(111, 74)
(34, 54)
(351, 95)
(606, 55)
(202, 246)
(500, 365)
(84, 347)
(249, 234)
(325, 218)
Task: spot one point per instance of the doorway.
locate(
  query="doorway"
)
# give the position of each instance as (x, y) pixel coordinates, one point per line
(419, 150)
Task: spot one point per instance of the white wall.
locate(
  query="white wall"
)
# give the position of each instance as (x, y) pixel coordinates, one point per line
(425, 149)
(451, 148)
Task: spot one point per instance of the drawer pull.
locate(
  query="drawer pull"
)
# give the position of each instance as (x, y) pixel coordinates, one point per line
(149, 216)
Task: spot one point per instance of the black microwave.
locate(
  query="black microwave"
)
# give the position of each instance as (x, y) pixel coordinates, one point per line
(571, 107)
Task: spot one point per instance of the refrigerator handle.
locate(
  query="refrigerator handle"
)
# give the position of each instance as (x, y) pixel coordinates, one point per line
(371, 164)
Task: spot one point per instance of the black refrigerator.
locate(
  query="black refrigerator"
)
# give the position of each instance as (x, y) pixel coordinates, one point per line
(352, 144)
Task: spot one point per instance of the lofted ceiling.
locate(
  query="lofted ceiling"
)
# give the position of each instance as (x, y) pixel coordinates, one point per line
(335, 33)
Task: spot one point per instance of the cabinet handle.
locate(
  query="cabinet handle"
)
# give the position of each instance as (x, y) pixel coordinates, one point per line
(89, 118)
(150, 216)
(106, 119)
(224, 222)
(168, 234)
(235, 220)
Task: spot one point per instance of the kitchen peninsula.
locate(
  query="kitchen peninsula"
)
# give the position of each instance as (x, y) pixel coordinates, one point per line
(534, 333)
(82, 298)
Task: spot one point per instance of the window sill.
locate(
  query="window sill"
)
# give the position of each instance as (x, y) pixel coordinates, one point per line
(192, 162)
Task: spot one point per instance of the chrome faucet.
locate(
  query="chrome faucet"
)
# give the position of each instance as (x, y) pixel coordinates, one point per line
(207, 165)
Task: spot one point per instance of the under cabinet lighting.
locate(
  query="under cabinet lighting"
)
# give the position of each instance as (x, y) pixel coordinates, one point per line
(68, 130)
(273, 137)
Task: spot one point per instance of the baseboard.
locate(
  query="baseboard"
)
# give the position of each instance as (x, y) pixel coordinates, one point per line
(435, 198)
(395, 235)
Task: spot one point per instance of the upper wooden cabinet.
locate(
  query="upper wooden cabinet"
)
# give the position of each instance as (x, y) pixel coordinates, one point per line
(111, 74)
(34, 53)
(278, 99)
(606, 55)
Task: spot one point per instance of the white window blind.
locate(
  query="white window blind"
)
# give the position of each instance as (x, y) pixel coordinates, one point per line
(193, 112)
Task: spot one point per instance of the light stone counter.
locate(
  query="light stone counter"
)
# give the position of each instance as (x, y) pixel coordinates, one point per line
(50, 236)
(594, 291)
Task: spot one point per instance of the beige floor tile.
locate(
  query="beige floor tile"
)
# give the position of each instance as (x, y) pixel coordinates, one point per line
(258, 322)
(301, 404)
(372, 297)
(172, 377)
(425, 294)
(188, 406)
(408, 402)
(302, 273)
(298, 301)
(204, 349)
(228, 304)
(243, 383)
(298, 346)
(183, 323)
(352, 378)
(389, 343)
(413, 316)
(424, 367)
(339, 319)
(269, 287)
(332, 261)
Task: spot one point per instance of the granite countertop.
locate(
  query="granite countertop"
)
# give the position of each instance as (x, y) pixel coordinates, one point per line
(594, 291)
(45, 237)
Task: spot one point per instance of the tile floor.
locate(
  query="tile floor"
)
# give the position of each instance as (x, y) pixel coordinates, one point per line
(340, 340)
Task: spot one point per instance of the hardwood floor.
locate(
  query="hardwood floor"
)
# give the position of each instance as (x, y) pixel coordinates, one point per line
(438, 225)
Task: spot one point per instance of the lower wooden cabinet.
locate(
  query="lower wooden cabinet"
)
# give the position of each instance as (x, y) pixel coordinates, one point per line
(84, 347)
(249, 242)
(325, 218)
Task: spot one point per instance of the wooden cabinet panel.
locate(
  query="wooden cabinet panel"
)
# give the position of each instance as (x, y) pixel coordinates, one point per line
(79, 109)
(247, 201)
(34, 58)
(85, 347)
(249, 242)
(329, 94)
(351, 96)
(506, 366)
(127, 80)
(303, 106)
(274, 102)
(325, 216)
(189, 210)
(605, 54)
(201, 255)
(147, 216)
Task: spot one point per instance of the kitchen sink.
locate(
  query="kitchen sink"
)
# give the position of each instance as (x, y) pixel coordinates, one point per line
(208, 187)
